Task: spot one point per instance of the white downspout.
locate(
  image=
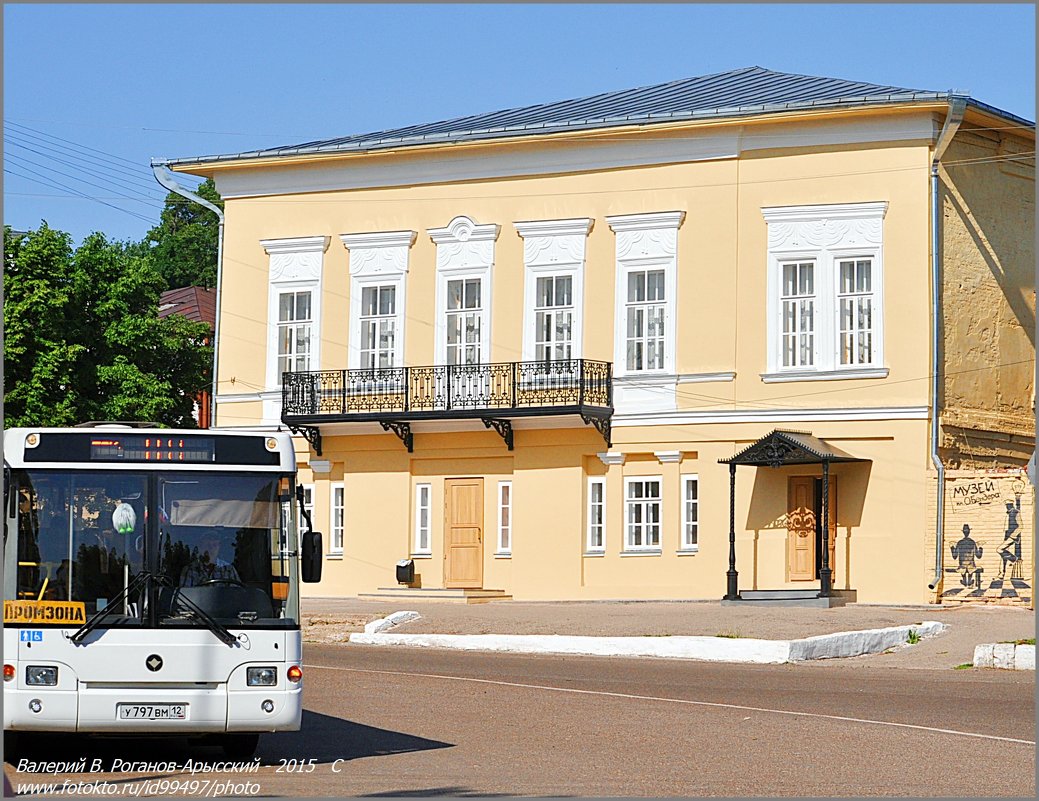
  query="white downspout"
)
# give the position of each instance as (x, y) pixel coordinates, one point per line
(165, 177)
(957, 105)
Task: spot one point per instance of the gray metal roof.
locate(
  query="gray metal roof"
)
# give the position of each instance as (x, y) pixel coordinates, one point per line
(741, 92)
(783, 447)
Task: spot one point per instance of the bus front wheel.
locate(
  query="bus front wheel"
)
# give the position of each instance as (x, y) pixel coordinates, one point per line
(239, 747)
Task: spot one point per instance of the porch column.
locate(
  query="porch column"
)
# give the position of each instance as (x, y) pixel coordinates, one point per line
(825, 574)
(731, 583)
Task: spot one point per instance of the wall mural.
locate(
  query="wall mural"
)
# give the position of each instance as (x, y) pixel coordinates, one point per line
(991, 559)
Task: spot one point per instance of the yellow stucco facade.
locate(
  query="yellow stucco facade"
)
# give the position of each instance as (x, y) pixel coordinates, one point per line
(725, 213)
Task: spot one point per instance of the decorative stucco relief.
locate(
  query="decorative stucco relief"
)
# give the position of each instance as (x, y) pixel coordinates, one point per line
(463, 243)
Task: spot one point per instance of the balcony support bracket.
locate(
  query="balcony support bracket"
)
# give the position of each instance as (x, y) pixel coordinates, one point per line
(402, 430)
(503, 427)
(311, 434)
(602, 425)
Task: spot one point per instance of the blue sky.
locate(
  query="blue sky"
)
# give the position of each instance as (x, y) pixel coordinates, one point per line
(93, 92)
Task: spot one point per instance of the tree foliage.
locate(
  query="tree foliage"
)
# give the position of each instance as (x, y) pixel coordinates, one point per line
(83, 339)
(184, 243)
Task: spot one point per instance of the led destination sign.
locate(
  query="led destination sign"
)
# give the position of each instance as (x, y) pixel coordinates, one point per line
(150, 448)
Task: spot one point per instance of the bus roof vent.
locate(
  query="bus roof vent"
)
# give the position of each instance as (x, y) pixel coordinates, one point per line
(116, 424)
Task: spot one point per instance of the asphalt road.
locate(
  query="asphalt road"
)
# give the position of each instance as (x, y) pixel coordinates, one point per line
(399, 722)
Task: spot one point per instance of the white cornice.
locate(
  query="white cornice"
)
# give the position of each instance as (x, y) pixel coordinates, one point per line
(463, 229)
(301, 244)
(646, 222)
(668, 457)
(677, 418)
(831, 211)
(704, 378)
(577, 227)
(452, 165)
(611, 458)
(385, 239)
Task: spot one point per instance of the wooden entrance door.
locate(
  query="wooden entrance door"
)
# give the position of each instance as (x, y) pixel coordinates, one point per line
(804, 531)
(463, 533)
(800, 528)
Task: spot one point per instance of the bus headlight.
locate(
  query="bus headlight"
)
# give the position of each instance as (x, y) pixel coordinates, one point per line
(261, 676)
(41, 676)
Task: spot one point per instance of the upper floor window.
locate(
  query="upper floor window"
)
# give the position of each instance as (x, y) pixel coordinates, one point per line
(378, 325)
(378, 280)
(825, 283)
(293, 308)
(553, 261)
(645, 311)
(646, 316)
(295, 322)
(465, 321)
(553, 320)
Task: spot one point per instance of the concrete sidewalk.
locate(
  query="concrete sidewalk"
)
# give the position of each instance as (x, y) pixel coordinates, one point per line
(965, 626)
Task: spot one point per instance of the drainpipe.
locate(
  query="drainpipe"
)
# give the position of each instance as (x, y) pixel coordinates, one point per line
(165, 177)
(957, 105)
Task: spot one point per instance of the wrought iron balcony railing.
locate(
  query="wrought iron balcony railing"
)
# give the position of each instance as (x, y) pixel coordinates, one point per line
(483, 391)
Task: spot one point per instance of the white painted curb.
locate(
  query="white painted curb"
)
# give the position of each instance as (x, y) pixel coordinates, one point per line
(389, 621)
(1004, 655)
(714, 649)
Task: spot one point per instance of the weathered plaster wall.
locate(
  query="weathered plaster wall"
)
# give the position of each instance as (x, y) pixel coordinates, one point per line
(988, 199)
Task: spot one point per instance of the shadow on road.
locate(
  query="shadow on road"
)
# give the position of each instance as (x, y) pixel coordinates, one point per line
(324, 738)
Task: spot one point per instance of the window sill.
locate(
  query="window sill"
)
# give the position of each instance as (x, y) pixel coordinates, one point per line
(824, 375)
(503, 554)
(688, 551)
(647, 552)
(594, 554)
(337, 555)
(421, 556)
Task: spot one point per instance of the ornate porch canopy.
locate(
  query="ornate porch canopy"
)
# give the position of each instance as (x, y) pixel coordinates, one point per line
(778, 449)
(789, 447)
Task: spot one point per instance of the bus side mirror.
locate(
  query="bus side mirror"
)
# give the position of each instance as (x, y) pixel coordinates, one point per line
(310, 564)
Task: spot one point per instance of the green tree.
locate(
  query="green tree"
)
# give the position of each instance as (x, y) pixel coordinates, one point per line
(184, 243)
(83, 339)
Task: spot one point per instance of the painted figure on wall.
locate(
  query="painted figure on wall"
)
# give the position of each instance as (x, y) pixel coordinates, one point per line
(1010, 549)
(966, 551)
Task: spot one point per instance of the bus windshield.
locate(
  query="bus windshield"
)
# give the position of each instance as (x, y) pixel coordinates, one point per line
(219, 542)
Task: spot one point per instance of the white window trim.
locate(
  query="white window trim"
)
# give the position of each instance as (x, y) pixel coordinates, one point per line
(464, 250)
(643, 550)
(684, 547)
(825, 234)
(333, 551)
(295, 264)
(416, 549)
(589, 548)
(378, 259)
(554, 248)
(502, 551)
(646, 242)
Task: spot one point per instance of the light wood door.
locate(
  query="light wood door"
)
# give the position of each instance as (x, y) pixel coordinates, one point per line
(800, 528)
(463, 533)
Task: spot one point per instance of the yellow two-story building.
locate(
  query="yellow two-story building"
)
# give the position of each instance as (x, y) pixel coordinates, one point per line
(730, 336)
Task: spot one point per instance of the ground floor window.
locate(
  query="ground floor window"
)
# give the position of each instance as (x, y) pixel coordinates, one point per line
(504, 517)
(642, 502)
(690, 512)
(336, 520)
(596, 515)
(422, 543)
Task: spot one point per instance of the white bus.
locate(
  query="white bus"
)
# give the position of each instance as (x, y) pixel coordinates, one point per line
(151, 583)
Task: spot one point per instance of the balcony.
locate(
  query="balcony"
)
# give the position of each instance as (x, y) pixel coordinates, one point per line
(496, 394)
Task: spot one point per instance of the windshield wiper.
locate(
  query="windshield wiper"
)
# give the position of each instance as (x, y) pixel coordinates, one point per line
(101, 614)
(210, 622)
